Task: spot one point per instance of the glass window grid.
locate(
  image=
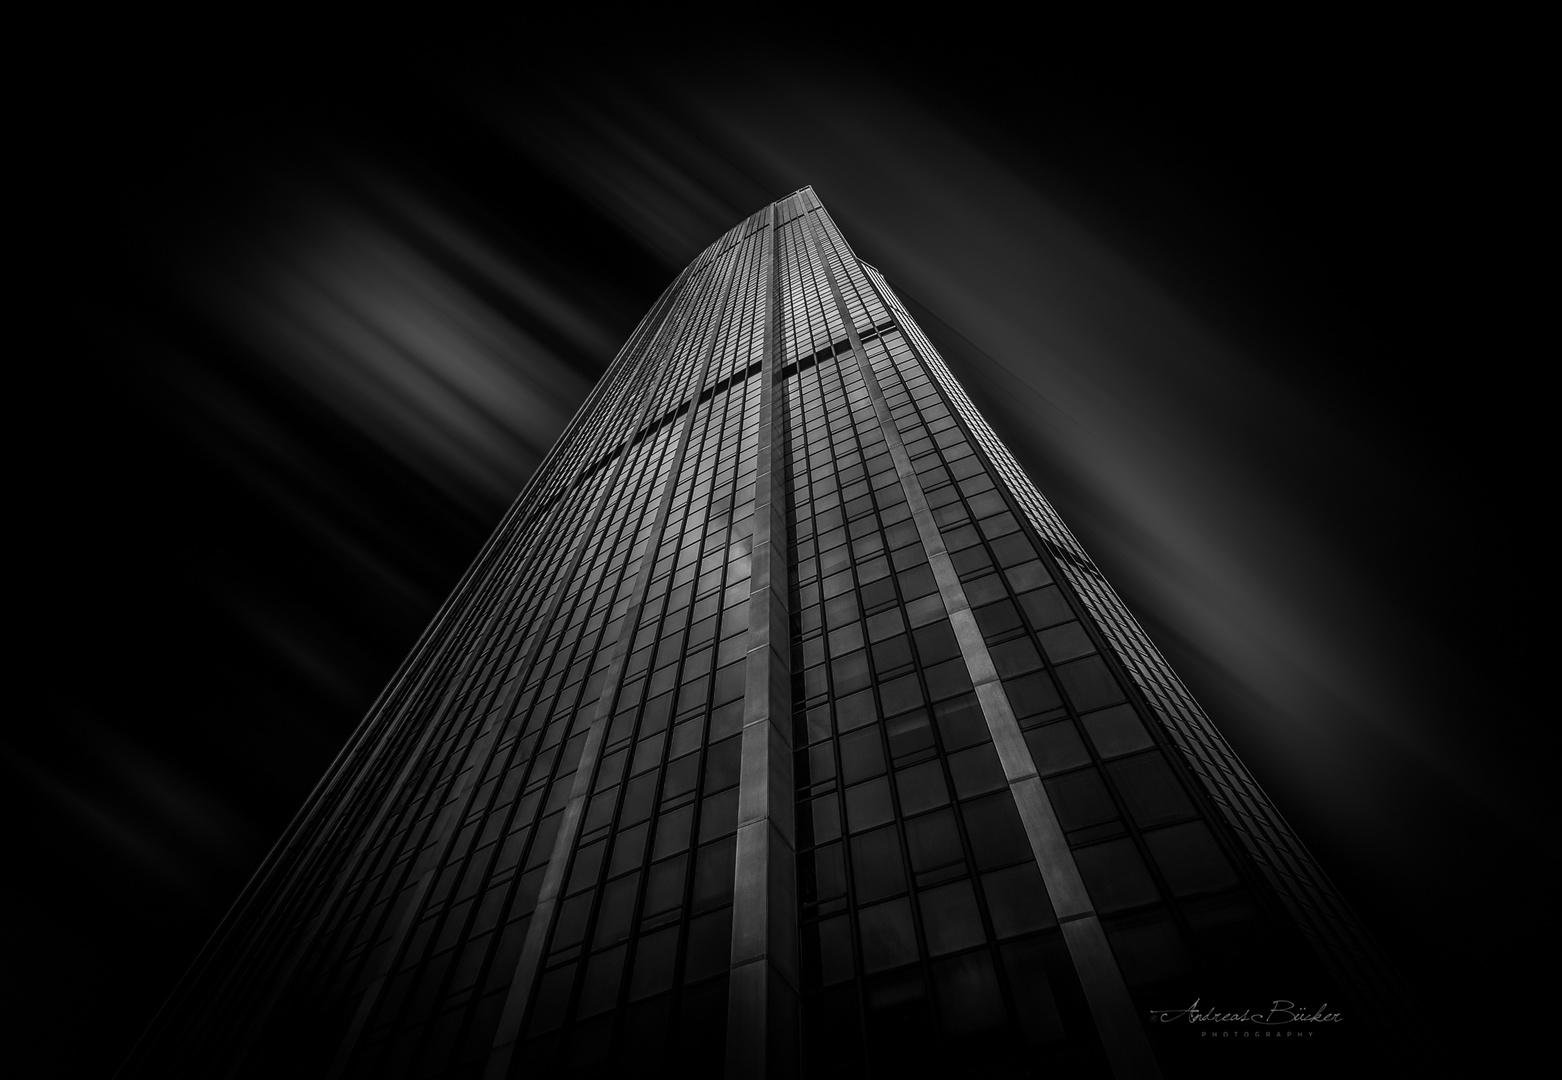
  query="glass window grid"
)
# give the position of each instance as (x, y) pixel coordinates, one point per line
(427, 970)
(720, 471)
(474, 946)
(952, 476)
(1115, 629)
(804, 294)
(1112, 617)
(950, 469)
(576, 620)
(815, 491)
(411, 809)
(532, 706)
(602, 419)
(642, 369)
(863, 305)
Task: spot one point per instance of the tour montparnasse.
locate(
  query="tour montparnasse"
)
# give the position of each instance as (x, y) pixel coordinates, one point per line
(780, 729)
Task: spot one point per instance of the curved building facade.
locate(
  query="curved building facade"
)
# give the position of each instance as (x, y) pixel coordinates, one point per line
(781, 729)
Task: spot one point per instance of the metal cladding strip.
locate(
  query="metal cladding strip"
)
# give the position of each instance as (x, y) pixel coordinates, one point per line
(365, 837)
(364, 845)
(457, 801)
(1119, 633)
(516, 518)
(1117, 1021)
(612, 384)
(439, 642)
(499, 593)
(374, 733)
(1109, 623)
(762, 991)
(518, 998)
(1170, 711)
(1181, 726)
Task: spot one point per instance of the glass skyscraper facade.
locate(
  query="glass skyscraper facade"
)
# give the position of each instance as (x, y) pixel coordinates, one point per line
(781, 728)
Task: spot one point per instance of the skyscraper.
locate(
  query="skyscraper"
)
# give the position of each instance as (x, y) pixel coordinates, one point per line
(780, 728)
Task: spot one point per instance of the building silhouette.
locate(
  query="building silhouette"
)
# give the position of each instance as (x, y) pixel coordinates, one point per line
(781, 728)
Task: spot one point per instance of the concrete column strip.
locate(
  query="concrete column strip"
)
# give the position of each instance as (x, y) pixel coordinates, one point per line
(762, 990)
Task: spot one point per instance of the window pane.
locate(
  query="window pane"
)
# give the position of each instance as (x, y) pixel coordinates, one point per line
(713, 870)
(571, 927)
(672, 832)
(933, 841)
(552, 999)
(1116, 731)
(996, 619)
(829, 868)
(950, 918)
(921, 788)
(1056, 747)
(946, 680)
(887, 936)
(960, 722)
(997, 836)
(721, 764)
(603, 975)
(710, 946)
(1089, 684)
(977, 771)
(835, 950)
(826, 818)
(1015, 657)
(1028, 575)
(892, 655)
(850, 672)
(868, 805)
(936, 642)
(680, 777)
(876, 865)
(1065, 642)
(862, 756)
(1115, 876)
(900, 694)
(1017, 900)
(968, 995)
(1080, 799)
(909, 734)
(618, 905)
(1046, 607)
(886, 625)
(719, 814)
(1151, 791)
(1032, 694)
(1148, 948)
(664, 886)
(1191, 860)
(854, 710)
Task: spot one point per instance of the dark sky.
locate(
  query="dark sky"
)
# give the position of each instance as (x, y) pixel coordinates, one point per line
(309, 307)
